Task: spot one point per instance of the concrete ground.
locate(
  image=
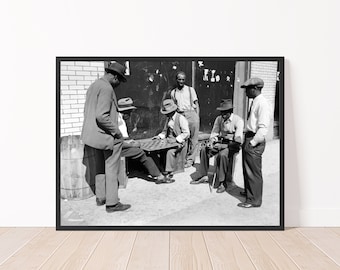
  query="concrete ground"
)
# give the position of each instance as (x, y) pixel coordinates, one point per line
(182, 204)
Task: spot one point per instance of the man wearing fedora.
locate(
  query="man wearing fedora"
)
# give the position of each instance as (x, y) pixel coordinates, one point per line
(176, 129)
(185, 98)
(258, 120)
(225, 140)
(100, 131)
(131, 149)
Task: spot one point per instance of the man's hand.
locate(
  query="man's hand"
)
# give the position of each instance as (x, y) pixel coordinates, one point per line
(171, 140)
(134, 143)
(220, 146)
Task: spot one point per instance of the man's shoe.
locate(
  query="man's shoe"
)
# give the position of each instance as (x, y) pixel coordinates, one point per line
(165, 180)
(117, 207)
(248, 205)
(221, 189)
(201, 180)
(100, 202)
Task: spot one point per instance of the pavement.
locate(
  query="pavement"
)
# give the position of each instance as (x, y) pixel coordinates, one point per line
(183, 204)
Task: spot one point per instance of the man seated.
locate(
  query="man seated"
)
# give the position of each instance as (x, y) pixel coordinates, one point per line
(131, 149)
(176, 129)
(225, 140)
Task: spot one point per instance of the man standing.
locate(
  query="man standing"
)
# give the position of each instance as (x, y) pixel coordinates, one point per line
(100, 131)
(185, 98)
(131, 148)
(176, 129)
(225, 140)
(256, 129)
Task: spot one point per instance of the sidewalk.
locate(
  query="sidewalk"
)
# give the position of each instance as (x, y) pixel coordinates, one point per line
(182, 204)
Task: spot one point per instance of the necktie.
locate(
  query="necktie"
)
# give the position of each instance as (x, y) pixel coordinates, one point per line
(251, 105)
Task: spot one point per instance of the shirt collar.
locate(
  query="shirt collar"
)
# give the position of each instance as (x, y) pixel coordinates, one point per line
(229, 119)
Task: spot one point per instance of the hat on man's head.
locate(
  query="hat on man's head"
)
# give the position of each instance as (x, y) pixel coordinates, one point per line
(169, 106)
(253, 82)
(125, 104)
(226, 104)
(116, 68)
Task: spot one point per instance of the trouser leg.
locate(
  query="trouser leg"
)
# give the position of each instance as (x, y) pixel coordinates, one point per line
(252, 171)
(100, 185)
(112, 159)
(194, 126)
(170, 160)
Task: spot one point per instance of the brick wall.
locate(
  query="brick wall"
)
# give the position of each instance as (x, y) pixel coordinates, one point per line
(267, 71)
(75, 78)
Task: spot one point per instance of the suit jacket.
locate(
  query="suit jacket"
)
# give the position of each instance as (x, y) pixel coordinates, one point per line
(100, 126)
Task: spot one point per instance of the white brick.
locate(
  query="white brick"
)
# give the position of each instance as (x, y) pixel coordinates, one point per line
(81, 119)
(81, 101)
(68, 83)
(77, 125)
(63, 68)
(63, 97)
(83, 73)
(71, 120)
(62, 132)
(77, 115)
(77, 87)
(97, 64)
(87, 83)
(70, 111)
(65, 125)
(69, 101)
(64, 78)
(74, 68)
(67, 72)
(82, 63)
(65, 106)
(76, 78)
(63, 116)
(90, 68)
(96, 73)
(81, 92)
(69, 92)
(72, 130)
(64, 87)
(67, 63)
(90, 78)
(79, 106)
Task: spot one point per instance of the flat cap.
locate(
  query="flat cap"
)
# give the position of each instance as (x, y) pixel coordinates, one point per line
(253, 82)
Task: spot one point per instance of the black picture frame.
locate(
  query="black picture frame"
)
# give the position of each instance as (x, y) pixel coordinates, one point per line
(278, 89)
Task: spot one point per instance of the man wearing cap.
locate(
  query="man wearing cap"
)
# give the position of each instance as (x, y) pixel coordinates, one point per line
(100, 131)
(176, 129)
(225, 140)
(131, 149)
(186, 99)
(256, 129)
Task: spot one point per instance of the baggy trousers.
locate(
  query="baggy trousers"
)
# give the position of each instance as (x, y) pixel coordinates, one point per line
(252, 170)
(107, 164)
(137, 153)
(194, 126)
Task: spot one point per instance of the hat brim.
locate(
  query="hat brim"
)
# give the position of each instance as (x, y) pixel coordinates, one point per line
(127, 108)
(224, 108)
(170, 110)
(123, 78)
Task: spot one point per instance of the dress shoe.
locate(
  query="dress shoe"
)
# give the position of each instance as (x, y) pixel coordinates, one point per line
(100, 202)
(117, 207)
(201, 180)
(221, 189)
(248, 205)
(165, 180)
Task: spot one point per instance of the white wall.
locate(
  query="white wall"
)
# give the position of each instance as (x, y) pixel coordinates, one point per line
(35, 32)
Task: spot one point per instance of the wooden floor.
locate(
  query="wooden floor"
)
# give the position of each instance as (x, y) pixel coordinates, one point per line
(294, 248)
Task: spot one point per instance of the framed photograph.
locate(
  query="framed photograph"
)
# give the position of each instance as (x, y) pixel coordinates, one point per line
(170, 143)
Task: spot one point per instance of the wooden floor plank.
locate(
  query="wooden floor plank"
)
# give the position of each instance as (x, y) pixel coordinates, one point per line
(264, 251)
(75, 251)
(113, 251)
(304, 253)
(15, 238)
(36, 251)
(188, 251)
(4, 230)
(150, 251)
(336, 230)
(226, 251)
(326, 240)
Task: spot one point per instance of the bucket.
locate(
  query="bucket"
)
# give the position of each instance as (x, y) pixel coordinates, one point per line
(77, 169)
